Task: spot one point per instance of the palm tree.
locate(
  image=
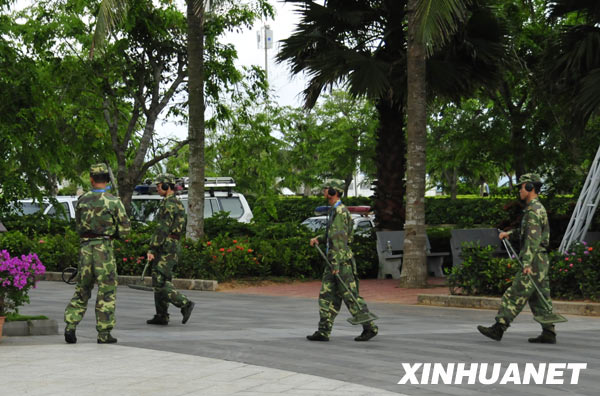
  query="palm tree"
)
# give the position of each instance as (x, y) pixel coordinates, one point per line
(429, 23)
(362, 44)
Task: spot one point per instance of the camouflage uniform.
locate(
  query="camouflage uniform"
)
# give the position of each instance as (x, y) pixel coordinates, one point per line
(338, 239)
(534, 235)
(100, 217)
(165, 246)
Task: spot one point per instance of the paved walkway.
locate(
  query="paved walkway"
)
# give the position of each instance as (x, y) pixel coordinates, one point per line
(372, 290)
(92, 369)
(253, 344)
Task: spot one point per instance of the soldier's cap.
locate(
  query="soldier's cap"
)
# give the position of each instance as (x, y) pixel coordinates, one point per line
(165, 178)
(98, 169)
(336, 184)
(530, 178)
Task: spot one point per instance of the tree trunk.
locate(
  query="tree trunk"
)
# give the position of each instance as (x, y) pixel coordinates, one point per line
(390, 155)
(414, 265)
(195, 18)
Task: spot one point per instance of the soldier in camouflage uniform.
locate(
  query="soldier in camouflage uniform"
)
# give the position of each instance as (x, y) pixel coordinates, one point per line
(164, 252)
(337, 238)
(534, 235)
(100, 218)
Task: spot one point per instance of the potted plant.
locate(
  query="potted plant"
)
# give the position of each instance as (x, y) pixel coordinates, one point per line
(17, 276)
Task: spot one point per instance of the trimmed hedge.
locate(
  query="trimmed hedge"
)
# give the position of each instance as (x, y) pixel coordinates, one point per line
(230, 250)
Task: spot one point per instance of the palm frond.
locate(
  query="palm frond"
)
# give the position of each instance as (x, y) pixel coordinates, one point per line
(439, 20)
(110, 15)
(588, 99)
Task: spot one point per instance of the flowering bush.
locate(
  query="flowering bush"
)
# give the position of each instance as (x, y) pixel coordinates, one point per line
(576, 274)
(17, 276)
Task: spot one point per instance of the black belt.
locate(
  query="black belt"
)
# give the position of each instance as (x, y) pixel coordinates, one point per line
(91, 235)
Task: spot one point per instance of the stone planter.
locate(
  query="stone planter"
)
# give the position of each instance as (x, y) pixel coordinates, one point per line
(30, 328)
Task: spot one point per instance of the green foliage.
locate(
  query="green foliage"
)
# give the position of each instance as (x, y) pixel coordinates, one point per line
(573, 276)
(16, 242)
(576, 274)
(57, 251)
(480, 272)
(16, 317)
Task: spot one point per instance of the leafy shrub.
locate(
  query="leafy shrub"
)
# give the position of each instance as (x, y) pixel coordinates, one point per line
(16, 242)
(481, 273)
(57, 251)
(576, 274)
(573, 275)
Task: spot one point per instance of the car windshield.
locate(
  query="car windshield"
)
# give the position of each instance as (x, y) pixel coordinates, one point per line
(27, 208)
(314, 223)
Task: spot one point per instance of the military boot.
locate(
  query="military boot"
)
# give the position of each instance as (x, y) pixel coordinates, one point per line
(186, 311)
(317, 336)
(367, 334)
(547, 337)
(70, 336)
(158, 320)
(494, 332)
(106, 338)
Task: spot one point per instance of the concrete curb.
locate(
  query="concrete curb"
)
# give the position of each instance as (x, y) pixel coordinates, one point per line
(186, 284)
(30, 328)
(562, 307)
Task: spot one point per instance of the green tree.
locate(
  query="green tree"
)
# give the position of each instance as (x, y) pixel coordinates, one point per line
(206, 20)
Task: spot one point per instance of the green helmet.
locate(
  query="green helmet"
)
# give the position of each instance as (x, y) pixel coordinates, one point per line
(98, 169)
(165, 178)
(530, 178)
(336, 184)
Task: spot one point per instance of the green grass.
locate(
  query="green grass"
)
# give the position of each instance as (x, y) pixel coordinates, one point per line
(15, 317)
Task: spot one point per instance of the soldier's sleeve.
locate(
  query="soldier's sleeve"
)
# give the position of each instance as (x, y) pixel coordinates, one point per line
(532, 239)
(163, 229)
(338, 234)
(123, 223)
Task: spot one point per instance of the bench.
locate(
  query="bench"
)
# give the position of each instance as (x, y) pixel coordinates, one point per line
(482, 236)
(390, 249)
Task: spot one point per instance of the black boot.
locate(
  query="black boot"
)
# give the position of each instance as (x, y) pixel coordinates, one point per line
(547, 337)
(317, 336)
(494, 332)
(367, 334)
(70, 336)
(106, 338)
(186, 311)
(158, 320)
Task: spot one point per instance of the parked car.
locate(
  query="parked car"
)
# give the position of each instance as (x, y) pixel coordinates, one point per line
(218, 197)
(65, 211)
(363, 225)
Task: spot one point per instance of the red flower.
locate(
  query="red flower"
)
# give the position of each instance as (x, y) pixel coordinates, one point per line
(124, 259)
(234, 241)
(126, 240)
(41, 241)
(590, 249)
(250, 250)
(228, 250)
(208, 243)
(214, 257)
(566, 259)
(222, 250)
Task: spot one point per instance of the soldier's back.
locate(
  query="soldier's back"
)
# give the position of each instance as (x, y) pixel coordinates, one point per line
(96, 213)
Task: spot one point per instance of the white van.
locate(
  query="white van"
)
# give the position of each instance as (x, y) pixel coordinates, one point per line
(218, 197)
